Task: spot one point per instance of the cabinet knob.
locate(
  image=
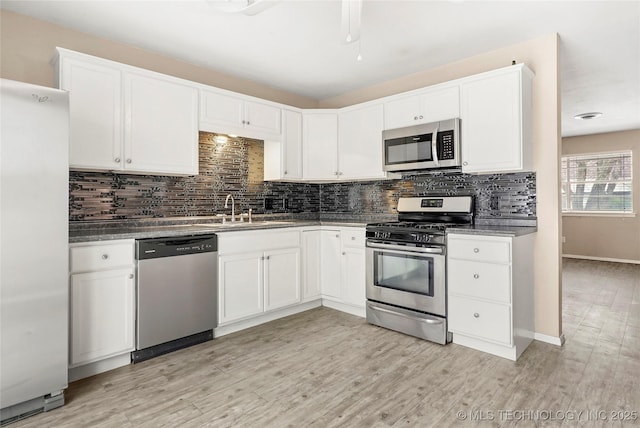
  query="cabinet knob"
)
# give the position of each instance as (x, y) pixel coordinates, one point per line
(117, 160)
(476, 250)
(421, 117)
(344, 254)
(476, 315)
(337, 236)
(268, 257)
(476, 276)
(130, 276)
(105, 256)
(353, 238)
(128, 160)
(248, 123)
(465, 163)
(285, 173)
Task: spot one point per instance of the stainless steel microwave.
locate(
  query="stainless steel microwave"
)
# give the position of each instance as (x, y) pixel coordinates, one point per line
(426, 146)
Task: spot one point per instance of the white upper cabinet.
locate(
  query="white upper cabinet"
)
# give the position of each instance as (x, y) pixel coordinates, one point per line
(127, 119)
(320, 145)
(496, 121)
(95, 103)
(292, 144)
(422, 107)
(161, 127)
(229, 114)
(283, 159)
(360, 143)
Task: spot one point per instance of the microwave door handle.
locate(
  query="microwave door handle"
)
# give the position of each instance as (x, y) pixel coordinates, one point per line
(434, 147)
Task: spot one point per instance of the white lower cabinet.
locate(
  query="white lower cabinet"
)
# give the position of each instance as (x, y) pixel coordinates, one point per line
(490, 292)
(259, 281)
(342, 269)
(102, 296)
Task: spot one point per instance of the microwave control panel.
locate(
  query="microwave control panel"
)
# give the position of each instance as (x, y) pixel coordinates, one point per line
(445, 145)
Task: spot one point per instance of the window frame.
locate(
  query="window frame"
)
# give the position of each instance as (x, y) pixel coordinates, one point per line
(567, 182)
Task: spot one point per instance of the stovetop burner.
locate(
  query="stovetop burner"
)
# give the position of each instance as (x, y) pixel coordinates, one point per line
(424, 219)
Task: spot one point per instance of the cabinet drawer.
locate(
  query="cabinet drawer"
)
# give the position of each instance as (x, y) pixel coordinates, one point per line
(353, 238)
(489, 321)
(497, 250)
(242, 242)
(99, 257)
(475, 279)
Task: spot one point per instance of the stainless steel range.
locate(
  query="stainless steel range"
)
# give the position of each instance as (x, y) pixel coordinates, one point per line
(406, 271)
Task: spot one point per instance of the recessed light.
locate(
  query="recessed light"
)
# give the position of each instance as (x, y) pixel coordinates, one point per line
(588, 116)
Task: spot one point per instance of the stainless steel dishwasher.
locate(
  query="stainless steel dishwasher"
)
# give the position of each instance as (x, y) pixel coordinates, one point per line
(176, 293)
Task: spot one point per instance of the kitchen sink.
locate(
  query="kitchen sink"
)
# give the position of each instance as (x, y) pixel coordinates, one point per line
(245, 223)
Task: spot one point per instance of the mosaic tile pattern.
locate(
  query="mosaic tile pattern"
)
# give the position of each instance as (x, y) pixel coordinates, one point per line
(496, 195)
(236, 167)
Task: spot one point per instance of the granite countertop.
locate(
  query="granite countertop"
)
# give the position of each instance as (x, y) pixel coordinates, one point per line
(493, 229)
(98, 231)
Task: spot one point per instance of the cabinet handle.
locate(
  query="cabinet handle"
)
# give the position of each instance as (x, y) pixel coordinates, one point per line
(476, 315)
(465, 163)
(128, 160)
(476, 250)
(105, 256)
(476, 276)
(117, 160)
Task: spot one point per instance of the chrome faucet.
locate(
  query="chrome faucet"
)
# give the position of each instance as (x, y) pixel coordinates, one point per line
(233, 206)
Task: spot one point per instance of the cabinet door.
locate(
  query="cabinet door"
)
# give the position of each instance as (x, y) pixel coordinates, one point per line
(441, 104)
(311, 265)
(102, 314)
(282, 278)
(491, 124)
(240, 286)
(353, 276)
(360, 143)
(403, 112)
(331, 260)
(292, 144)
(320, 139)
(262, 118)
(161, 126)
(95, 108)
(222, 110)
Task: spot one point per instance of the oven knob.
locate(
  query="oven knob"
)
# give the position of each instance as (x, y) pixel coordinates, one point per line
(476, 315)
(476, 276)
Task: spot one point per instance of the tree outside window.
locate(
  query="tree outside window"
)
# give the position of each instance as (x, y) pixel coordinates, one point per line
(599, 182)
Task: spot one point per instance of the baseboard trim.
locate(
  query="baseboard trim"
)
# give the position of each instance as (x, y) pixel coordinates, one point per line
(235, 326)
(601, 259)
(558, 341)
(358, 311)
(97, 367)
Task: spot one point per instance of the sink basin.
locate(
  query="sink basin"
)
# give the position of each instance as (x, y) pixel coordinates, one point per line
(245, 223)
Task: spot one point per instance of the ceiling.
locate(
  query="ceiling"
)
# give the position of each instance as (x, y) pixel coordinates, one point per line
(295, 45)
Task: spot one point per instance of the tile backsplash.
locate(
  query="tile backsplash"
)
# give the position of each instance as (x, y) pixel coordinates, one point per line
(236, 167)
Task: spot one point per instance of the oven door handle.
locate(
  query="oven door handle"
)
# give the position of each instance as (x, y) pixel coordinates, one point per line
(427, 250)
(400, 314)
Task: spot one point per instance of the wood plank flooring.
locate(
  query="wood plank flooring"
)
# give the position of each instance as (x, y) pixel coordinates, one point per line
(324, 368)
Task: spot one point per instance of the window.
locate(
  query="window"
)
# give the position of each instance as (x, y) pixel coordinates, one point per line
(598, 182)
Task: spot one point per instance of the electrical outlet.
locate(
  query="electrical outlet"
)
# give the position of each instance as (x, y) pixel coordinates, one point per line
(268, 203)
(564, 239)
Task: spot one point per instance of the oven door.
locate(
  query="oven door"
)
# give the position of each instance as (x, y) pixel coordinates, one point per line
(407, 276)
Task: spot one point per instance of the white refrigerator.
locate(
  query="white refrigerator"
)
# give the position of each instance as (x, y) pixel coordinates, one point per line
(34, 302)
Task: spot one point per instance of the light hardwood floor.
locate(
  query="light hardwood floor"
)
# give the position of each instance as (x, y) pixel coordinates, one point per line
(324, 368)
